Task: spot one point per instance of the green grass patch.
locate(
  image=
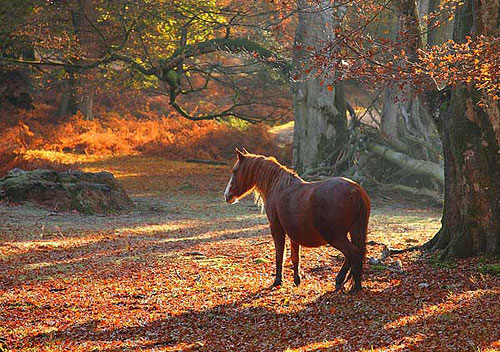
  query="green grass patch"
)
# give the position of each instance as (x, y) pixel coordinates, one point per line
(378, 267)
(439, 263)
(490, 269)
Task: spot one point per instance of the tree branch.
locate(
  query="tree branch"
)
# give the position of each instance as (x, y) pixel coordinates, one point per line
(237, 45)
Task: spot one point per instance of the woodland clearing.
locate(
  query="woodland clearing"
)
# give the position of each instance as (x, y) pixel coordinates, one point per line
(186, 272)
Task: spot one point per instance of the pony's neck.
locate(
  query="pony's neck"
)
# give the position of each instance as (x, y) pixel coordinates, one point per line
(269, 176)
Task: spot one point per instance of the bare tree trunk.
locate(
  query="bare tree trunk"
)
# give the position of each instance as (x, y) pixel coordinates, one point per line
(320, 114)
(91, 47)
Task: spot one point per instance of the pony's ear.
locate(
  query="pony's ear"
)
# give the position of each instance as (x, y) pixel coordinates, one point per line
(239, 154)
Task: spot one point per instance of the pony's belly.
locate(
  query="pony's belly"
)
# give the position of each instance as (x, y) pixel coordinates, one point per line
(300, 229)
(308, 239)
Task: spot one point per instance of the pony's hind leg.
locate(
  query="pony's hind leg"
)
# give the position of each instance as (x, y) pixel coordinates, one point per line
(295, 254)
(340, 278)
(357, 270)
(352, 259)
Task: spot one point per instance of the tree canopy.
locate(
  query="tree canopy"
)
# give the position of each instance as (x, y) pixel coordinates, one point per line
(177, 46)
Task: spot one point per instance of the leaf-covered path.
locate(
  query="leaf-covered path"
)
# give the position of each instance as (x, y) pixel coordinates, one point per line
(186, 272)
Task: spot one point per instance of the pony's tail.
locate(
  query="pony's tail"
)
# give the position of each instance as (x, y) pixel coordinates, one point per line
(358, 233)
(360, 227)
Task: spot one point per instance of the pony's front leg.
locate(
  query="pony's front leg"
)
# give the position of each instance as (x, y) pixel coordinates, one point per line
(295, 249)
(279, 246)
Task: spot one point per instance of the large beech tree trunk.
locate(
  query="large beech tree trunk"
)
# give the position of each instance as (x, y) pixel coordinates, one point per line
(471, 137)
(319, 107)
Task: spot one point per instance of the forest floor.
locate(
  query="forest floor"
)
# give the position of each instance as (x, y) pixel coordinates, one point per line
(186, 272)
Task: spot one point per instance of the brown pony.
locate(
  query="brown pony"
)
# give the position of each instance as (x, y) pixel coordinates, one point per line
(312, 214)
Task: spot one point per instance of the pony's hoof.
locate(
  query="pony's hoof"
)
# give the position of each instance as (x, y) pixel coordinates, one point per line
(296, 281)
(354, 290)
(276, 283)
(339, 289)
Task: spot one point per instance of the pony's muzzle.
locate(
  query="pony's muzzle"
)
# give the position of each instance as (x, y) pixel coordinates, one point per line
(227, 192)
(229, 198)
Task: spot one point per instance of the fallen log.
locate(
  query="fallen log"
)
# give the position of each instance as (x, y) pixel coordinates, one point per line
(413, 166)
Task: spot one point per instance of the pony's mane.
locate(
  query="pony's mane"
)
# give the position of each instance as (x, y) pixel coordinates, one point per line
(267, 174)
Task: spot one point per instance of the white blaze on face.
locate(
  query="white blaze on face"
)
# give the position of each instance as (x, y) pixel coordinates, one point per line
(228, 187)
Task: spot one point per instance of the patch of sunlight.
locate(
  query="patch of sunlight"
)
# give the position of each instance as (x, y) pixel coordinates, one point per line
(65, 262)
(121, 260)
(62, 157)
(65, 266)
(184, 346)
(35, 266)
(41, 243)
(48, 330)
(494, 346)
(248, 217)
(174, 226)
(214, 234)
(283, 133)
(143, 194)
(215, 262)
(61, 242)
(116, 173)
(376, 349)
(258, 217)
(454, 302)
(319, 346)
(281, 128)
(149, 229)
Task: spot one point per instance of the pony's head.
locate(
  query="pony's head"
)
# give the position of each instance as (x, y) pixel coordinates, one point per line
(239, 184)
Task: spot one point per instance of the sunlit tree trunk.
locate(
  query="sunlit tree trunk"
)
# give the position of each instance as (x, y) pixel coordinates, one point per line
(68, 104)
(77, 95)
(471, 137)
(86, 103)
(319, 106)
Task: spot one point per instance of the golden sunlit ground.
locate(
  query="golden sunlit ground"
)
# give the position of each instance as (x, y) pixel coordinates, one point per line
(186, 272)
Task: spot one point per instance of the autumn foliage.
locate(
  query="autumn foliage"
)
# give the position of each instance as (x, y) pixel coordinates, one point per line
(476, 60)
(112, 134)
